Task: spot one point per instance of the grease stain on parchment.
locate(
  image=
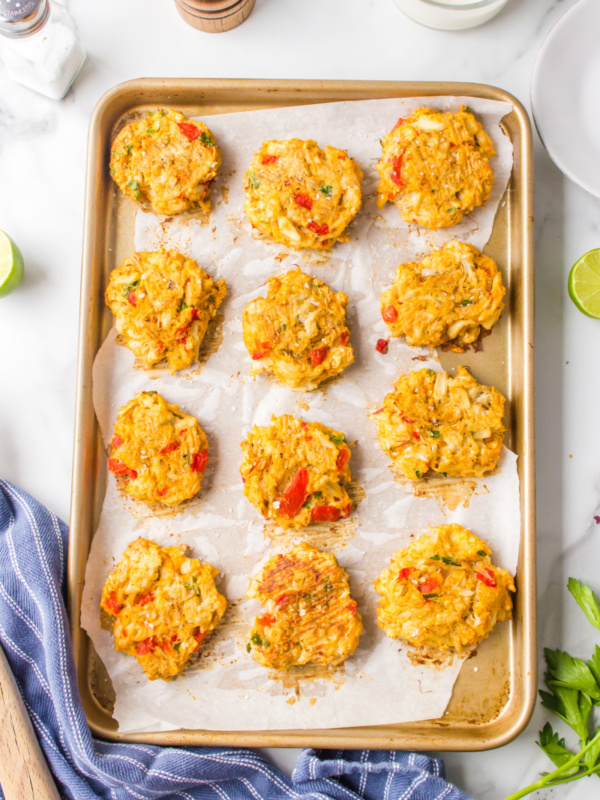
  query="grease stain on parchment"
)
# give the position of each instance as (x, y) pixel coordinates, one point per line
(449, 493)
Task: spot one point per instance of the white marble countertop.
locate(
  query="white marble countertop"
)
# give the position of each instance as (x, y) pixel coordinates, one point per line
(42, 164)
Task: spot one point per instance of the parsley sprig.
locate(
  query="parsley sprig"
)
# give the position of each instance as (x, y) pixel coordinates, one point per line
(573, 691)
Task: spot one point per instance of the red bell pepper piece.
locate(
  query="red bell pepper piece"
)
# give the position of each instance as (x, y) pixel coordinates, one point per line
(320, 228)
(192, 132)
(269, 159)
(144, 599)
(147, 646)
(325, 514)
(294, 496)
(266, 620)
(113, 604)
(304, 200)
(199, 461)
(389, 314)
(342, 459)
(318, 355)
(487, 577)
(116, 441)
(382, 346)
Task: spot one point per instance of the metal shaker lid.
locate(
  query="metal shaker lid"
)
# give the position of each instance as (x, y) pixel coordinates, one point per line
(17, 10)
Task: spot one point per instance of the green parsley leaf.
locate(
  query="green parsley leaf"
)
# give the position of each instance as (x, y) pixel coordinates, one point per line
(284, 326)
(326, 190)
(431, 372)
(417, 473)
(211, 298)
(434, 434)
(586, 600)
(555, 749)
(482, 553)
(450, 210)
(467, 303)
(337, 439)
(571, 673)
(254, 180)
(318, 495)
(207, 139)
(176, 646)
(182, 306)
(435, 557)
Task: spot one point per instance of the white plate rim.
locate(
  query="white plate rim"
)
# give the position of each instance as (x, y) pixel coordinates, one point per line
(550, 149)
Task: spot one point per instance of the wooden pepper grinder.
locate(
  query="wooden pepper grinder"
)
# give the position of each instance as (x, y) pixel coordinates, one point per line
(214, 16)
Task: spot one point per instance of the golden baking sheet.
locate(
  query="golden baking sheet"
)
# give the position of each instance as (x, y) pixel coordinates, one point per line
(507, 365)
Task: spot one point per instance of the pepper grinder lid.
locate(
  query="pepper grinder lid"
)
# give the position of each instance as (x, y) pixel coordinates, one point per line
(22, 17)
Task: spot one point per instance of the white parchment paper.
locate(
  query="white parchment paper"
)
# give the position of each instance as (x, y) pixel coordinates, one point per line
(226, 689)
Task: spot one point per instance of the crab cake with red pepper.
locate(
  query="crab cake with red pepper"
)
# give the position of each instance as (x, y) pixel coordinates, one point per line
(163, 604)
(158, 453)
(298, 332)
(442, 592)
(446, 298)
(432, 422)
(300, 195)
(435, 167)
(310, 616)
(163, 302)
(297, 472)
(165, 162)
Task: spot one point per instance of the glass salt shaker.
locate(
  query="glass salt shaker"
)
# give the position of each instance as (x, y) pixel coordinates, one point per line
(40, 46)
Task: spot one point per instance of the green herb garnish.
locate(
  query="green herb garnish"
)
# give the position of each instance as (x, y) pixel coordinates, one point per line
(284, 326)
(573, 690)
(482, 553)
(429, 596)
(254, 180)
(434, 434)
(431, 372)
(182, 306)
(193, 587)
(337, 439)
(417, 473)
(256, 640)
(206, 139)
(326, 190)
(248, 647)
(467, 303)
(450, 210)
(176, 646)
(130, 288)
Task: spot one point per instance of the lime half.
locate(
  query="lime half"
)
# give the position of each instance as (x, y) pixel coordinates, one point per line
(584, 283)
(11, 265)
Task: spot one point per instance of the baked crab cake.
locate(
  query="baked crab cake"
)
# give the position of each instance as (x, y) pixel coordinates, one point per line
(446, 298)
(297, 472)
(165, 162)
(162, 302)
(298, 332)
(310, 616)
(300, 195)
(158, 453)
(163, 604)
(432, 422)
(442, 592)
(435, 167)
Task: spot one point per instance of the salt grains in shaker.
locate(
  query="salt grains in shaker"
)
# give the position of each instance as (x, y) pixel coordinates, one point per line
(40, 46)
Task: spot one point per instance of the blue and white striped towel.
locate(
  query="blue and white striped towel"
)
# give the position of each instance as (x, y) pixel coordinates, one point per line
(34, 634)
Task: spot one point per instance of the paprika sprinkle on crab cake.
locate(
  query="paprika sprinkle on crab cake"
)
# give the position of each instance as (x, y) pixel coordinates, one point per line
(446, 298)
(297, 472)
(435, 167)
(164, 604)
(433, 422)
(163, 302)
(300, 195)
(310, 616)
(442, 593)
(159, 454)
(298, 332)
(165, 162)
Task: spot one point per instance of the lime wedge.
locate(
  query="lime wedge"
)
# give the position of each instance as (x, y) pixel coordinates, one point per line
(584, 283)
(11, 265)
